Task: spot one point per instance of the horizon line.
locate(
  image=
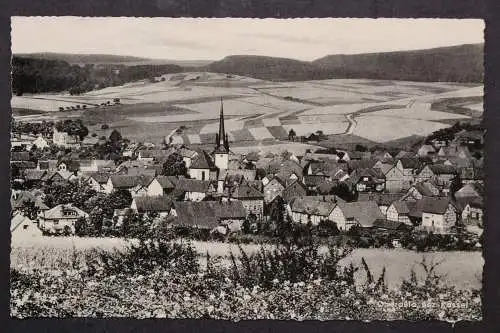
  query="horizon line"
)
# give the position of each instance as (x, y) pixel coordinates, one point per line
(236, 54)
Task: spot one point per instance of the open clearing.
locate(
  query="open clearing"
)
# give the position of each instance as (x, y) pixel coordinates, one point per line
(463, 269)
(257, 110)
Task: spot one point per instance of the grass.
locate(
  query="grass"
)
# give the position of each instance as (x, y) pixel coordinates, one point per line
(458, 105)
(26, 112)
(462, 269)
(346, 142)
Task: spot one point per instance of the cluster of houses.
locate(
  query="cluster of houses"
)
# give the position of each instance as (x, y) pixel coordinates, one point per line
(435, 188)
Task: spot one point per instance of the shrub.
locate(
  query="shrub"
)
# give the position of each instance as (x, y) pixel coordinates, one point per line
(143, 257)
(293, 260)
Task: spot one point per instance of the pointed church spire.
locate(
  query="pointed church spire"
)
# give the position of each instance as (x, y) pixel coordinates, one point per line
(222, 132)
(221, 138)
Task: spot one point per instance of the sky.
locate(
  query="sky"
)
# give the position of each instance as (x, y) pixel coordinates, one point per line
(213, 39)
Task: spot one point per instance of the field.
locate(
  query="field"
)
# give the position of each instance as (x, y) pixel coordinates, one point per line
(258, 110)
(462, 269)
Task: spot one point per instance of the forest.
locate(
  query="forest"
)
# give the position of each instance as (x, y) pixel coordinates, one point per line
(31, 75)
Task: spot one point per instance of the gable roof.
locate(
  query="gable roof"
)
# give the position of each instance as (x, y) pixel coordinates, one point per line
(164, 181)
(290, 191)
(328, 168)
(18, 220)
(207, 214)
(158, 154)
(402, 207)
(288, 168)
(314, 205)
(193, 185)
(358, 174)
(470, 189)
(313, 180)
(100, 177)
(364, 212)
(153, 204)
(430, 205)
(245, 191)
(19, 198)
(136, 167)
(130, 181)
(326, 187)
(247, 174)
(57, 212)
(320, 156)
(71, 164)
(442, 169)
(278, 180)
(382, 199)
(203, 161)
(34, 174)
(404, 154)
(410, 163)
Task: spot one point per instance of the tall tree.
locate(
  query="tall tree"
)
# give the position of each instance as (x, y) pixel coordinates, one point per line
(174, 166)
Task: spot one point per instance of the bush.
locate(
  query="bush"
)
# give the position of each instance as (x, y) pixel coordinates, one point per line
(104, 126)
(143, 257)
(141, 289)
(293, 260)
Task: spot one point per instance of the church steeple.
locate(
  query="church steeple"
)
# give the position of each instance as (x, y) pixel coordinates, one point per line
(221, 139)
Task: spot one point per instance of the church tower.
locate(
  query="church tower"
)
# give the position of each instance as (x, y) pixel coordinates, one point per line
(221, 143)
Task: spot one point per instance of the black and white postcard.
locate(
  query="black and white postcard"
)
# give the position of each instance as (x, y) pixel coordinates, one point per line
(238, 168)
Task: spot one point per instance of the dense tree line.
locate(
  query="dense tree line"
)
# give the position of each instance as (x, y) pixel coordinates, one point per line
(73, 127)
(448, 134)
(44, 127)
(31, 75)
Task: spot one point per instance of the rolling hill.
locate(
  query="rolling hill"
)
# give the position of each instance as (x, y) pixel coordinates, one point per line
(463, 63)
(109, 59)
(268, 68)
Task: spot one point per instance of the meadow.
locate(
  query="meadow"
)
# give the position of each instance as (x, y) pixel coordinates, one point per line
(258, 110)
(167, 280)
(462, 270)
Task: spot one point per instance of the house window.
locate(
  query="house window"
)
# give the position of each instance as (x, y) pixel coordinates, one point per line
(203, 175)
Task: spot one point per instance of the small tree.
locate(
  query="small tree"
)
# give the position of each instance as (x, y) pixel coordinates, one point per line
(456, 184)
(115, 136)
(82, 227)
(67, 231)
(292, 135)
(30, 210)
(361, 148)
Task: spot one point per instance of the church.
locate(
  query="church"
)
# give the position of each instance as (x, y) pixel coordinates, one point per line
(208, 166)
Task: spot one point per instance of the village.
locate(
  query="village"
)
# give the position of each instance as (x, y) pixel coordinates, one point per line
(436, 189)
